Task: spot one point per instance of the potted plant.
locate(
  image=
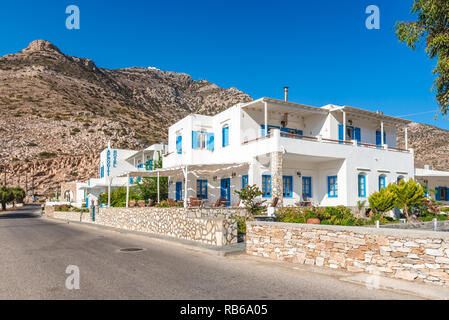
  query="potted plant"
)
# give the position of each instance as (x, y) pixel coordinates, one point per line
(313, 217)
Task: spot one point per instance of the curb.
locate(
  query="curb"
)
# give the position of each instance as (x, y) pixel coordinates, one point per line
(379, 282)
(229, 250)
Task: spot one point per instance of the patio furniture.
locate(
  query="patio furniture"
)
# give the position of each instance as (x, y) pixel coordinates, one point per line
(194, 202)
(132, 204)
(150, 203)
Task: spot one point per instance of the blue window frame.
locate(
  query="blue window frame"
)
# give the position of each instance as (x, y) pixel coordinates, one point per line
(244, 181)
(225, 136)
(379, 138)
(332, 187)
(307, 187)
(287, 182)
(266, 186)
(201, 189)
(179, 144)
(362, 186)
(354, 133)
(382, 182)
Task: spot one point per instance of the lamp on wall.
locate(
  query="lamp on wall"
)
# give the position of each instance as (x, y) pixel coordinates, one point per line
(350, 122)
(234, 174)
(299, 174)
(215, 178)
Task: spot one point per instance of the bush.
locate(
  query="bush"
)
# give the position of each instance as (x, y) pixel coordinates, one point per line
(248, 197)
(328, 216)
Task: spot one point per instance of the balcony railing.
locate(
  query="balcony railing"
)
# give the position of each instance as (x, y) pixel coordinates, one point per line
(326, 140)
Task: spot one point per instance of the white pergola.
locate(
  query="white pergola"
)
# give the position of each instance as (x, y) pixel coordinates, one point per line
(198, 170)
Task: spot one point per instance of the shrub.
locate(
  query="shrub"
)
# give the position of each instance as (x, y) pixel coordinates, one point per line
(328, 216)
(382, 201)
(248, 197)
(409, 195)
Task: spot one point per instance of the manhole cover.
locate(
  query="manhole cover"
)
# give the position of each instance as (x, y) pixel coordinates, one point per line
(130, 249)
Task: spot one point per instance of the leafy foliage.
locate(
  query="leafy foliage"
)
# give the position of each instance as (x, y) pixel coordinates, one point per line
(432, 25)
(382, 201)
(118, 196)
(248, 197)
(11, 195)
(409, 196)
(147, 188)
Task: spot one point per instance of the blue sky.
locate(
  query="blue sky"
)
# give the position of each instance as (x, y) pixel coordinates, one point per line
(321, 49)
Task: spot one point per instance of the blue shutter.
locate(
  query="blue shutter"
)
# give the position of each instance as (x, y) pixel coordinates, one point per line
(263, 130)
(385, 137)
(340, 132)
(358, 135)
(225, 136)
(205, 189)
(194, 139)
(299, 132)
(329, 186)
(244, 181)
(437, 196)
(179, 144)
(210, 141)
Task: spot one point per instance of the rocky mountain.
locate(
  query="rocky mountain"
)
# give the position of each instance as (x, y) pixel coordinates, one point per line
(57, 112)
(431, 145)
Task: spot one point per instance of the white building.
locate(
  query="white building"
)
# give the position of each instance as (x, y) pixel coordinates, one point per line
(438, 181)
(331, 155)
(114, 163)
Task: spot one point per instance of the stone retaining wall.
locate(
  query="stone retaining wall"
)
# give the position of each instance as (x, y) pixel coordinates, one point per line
(209, 226)
(406, 254)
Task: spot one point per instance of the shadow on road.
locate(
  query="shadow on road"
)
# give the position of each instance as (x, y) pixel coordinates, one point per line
(31, 211)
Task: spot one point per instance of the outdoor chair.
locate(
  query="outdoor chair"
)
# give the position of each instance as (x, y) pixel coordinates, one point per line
(150, 203)
(171, 202)
(194, 202)
(132, 204)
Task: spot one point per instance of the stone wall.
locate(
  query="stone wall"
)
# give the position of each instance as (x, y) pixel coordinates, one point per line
(406, 254)
(209, 226)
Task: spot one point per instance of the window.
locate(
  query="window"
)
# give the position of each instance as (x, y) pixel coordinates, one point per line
(266, 186)
(199, 139)
(225, 136)
(382, 182)
(201, 189)
(362, 185)
(306, 187)
(179, 144)
(244, 181)
(287, 182)
(352, 133)
(379, 138)
(332, 187)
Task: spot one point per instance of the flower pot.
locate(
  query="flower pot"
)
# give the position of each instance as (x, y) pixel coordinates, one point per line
(313, 221)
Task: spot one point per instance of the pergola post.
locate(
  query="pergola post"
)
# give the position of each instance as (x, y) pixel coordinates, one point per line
(382, 133)
(109, 191)
(186, 185)
(266, 117)
(344, 125)
(158, 189)
(127, 190)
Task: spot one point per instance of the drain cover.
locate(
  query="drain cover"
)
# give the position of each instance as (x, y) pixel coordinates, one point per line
(131, 249)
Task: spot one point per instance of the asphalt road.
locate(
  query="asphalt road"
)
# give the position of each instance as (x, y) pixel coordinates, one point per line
(35, 252)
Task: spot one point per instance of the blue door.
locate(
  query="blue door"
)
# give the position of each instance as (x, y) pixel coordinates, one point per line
(178, 191)
(226, 190)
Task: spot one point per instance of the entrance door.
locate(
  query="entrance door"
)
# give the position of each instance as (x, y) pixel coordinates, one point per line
(226, 190)
(178, 191)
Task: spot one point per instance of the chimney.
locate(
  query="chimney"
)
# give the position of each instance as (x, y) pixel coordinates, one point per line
(285, 94)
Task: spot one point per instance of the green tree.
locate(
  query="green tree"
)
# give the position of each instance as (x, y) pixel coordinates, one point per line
(248, 197)
(18, 195)
(6, 196)
(409, 195)
(431, 26)
(382, 201)
(118, 196)
(147, 188)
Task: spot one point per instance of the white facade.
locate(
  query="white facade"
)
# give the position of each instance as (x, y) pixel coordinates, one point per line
(114, 164)
(311, 141)
(436, 181)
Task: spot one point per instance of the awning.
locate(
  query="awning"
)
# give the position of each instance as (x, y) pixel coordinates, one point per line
(200, 169)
